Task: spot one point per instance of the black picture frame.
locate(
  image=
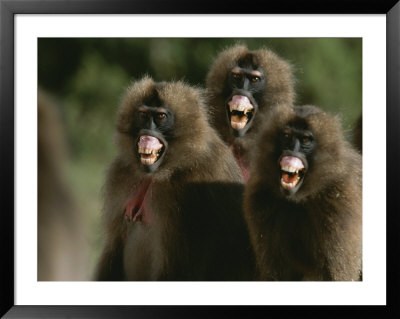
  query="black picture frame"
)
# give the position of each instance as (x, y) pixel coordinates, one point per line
(8, 10)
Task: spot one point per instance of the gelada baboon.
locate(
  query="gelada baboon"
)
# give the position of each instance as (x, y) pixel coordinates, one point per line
(242, 86)
(173, 194)
(303, 199)
(62, 249)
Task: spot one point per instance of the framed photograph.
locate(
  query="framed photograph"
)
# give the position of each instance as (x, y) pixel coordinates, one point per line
(65, 66)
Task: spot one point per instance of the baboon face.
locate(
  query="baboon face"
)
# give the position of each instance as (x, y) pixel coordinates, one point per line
(299, 151)
(242, 85)
(153, 124)
(297, 144)
(159, 125)
(245, 84)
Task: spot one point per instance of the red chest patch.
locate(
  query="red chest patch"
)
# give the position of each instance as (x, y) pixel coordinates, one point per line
(244, 166)
(138, 207)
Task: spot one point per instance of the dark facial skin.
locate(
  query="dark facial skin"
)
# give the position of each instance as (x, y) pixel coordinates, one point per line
(296, 146)
(152, 120)
(246, 80)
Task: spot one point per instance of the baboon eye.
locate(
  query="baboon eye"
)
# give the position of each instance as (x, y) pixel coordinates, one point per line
(142, 114)
(306, 139)
(286, 134)
(236, 76)
(161, 116)
(255, 79)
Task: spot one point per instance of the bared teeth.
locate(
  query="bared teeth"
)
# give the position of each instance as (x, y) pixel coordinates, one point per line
(148, 161)
(238, 122)
(238, 125)
(149, 156)
(290, 169)
(290, 177)
(290, 185)
(240, 103)
(241, 108)
(147, 151)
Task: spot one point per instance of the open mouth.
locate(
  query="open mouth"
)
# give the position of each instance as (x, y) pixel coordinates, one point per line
(240, 111)
(150, 149)
(292, 172)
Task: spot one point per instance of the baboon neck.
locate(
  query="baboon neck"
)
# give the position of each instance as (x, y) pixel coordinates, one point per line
(238, 152)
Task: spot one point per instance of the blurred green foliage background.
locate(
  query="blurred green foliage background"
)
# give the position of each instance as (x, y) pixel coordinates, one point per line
(87, 76)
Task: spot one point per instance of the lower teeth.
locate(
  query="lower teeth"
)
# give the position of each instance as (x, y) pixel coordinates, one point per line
(290, 184)
(149, 158)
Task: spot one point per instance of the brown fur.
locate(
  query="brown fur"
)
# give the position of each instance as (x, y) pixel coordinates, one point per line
(279, 89)
(315, 234)
(197, 230)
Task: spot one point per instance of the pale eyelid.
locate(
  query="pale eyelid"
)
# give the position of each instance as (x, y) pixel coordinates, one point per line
(256, 74)
(237, 70)
(162, 110)
(142, 109)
